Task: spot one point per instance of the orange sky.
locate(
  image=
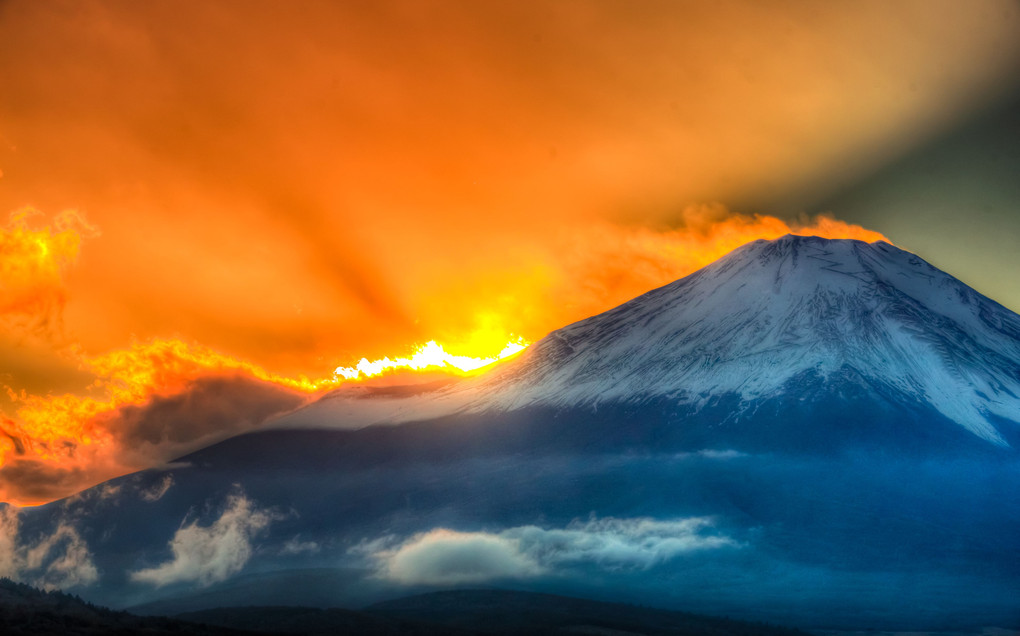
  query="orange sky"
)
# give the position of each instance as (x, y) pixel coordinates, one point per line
(294, 186)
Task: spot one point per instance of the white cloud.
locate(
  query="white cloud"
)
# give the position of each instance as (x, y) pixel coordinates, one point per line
(9, 557)
(59, 560)
(157, 490)
(710, 453)
(295, 545)
(447, 557)
(63, 559)
(721, 454)
(208, 554)
(108, 491)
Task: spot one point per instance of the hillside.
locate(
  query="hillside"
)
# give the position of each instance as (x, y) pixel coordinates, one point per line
(25, 610)
(485, 612)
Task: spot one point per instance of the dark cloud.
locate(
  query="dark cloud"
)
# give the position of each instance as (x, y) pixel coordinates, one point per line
(37, 480)
(206, 410)
(209, 406)
(155, 492)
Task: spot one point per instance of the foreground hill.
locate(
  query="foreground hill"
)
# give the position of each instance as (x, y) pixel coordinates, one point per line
(27, 611)
(497, 612)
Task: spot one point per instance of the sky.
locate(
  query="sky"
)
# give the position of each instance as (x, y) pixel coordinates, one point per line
(207, 207)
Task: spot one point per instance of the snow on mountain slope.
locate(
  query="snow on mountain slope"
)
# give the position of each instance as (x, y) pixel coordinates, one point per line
(771, 310)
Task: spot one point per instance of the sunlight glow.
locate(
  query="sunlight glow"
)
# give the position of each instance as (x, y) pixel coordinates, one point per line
(430, 356)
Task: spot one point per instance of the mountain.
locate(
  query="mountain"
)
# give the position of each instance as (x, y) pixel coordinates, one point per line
(820, 433)
(779, 316)
(814, 321)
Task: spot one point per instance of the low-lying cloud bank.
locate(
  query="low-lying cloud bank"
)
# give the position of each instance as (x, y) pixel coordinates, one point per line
(448, 557)
(58, 560)
(213, 553)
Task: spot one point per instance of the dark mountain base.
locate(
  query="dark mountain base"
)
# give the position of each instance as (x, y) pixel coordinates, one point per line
(313, 621)
(504, 612)
(307, 587)
(27, 611)
(497, 612)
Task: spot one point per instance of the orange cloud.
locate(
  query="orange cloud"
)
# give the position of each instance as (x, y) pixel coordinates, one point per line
(52, 427)
(298, 186)
(166, 392)
(33, 261)
(611, 264)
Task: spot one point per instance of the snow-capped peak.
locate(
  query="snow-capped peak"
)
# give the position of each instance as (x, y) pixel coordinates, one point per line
(771, 310)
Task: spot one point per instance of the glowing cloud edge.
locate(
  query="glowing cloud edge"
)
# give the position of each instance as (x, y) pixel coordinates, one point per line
(430, 355)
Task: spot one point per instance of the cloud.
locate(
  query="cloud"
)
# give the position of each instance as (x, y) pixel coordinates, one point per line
(295, 545)
(711, 453)
(59, 560)
(447, 557)
(157, 490)
(721, 454)
(209, 406)
(108, 490)
(34, 480)
(503, 124)
(159, 404)
(209, 554)
(63, 558)
(33, 261)
(9, 559)
(600, 265)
